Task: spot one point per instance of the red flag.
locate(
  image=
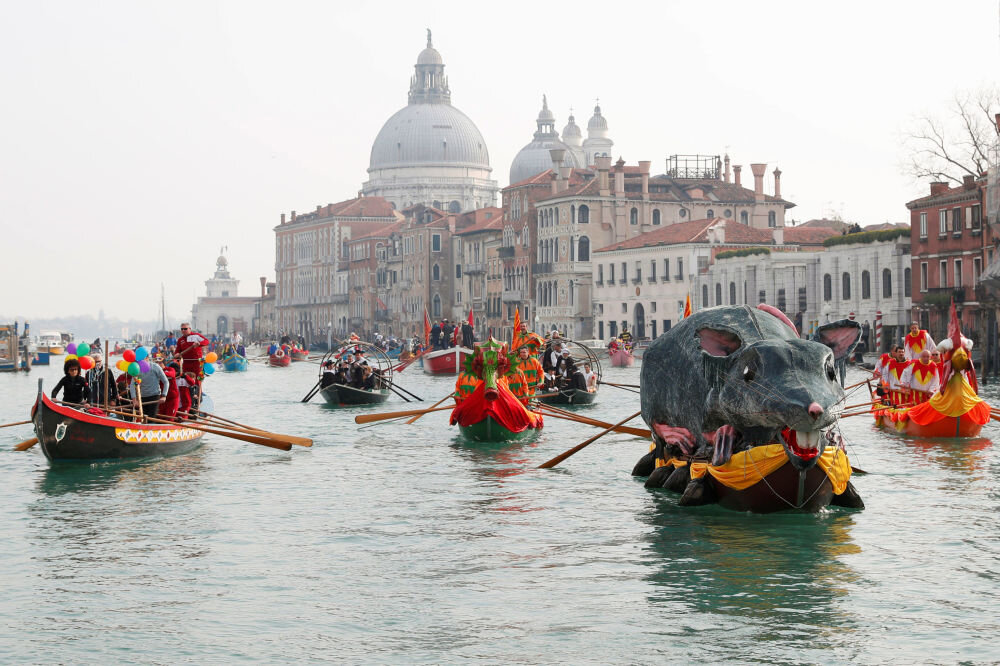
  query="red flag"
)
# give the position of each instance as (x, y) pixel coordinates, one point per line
(687, 307)
(381, 304)
(427, 329)
(954, 328)
(517, 328)
(471, 320)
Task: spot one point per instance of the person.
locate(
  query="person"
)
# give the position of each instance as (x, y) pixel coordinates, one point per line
(936, 360)
(169, 407)
(534, 374)
(552, 357)
(95, 381)
(153, 388)
(898, 389)
(367, 379)
(187, 389)
(359, 357)
(591, 378)
(436, 336)
(916, 341)
(626, 338)
(447, 330)
(468, 336)
(73, 386)
(189, 349)
(923, 378)
(613, 345)
(329, 375)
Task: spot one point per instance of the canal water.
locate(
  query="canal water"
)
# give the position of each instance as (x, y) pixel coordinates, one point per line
(404, 544)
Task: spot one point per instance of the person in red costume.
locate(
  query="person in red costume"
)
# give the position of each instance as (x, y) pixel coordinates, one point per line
(189, 349)
(916, 341)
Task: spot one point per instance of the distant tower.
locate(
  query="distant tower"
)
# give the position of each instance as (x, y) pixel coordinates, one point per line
(597, 143)
(573, 138)
(221, 285)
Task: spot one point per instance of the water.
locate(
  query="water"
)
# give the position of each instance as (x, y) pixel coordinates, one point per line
(403, 544)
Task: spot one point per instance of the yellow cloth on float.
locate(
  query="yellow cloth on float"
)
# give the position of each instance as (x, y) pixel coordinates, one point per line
(746, 468)
(957, 398)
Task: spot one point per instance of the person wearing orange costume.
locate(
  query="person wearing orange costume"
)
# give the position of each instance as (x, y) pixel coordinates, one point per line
(531, 371)
(922, 377)
(916, 341)
(898, 389)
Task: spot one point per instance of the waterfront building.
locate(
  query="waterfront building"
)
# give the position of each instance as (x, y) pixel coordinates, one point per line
(222, 311)
(477, 239)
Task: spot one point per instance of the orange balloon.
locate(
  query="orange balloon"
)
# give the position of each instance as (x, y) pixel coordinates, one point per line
(122, 365)
(211, 357)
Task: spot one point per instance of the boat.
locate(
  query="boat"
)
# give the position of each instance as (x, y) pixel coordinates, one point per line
(491, 430)
(955, 412)
(341, 394)
(234, 363)
(571, 396)
(39, 357)
(70, 435)
(299, 355)
(445, 361)
(582, 353)
(14, 352)
(279, 359)
(51, 342)
(621, 358)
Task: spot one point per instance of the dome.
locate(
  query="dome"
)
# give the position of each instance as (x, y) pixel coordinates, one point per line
(221, 261)
(429, 56)
(571, 133)
(534, 158)
(597, 121)
(429, 134)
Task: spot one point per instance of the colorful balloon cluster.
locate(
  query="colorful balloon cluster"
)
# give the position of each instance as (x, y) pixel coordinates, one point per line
(134, 361)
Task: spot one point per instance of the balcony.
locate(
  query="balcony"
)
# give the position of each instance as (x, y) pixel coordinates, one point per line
(511, 296)
(381, 315)
(943, 295)
(623, 281)
(637, 280)
(404, 284)
(394, 259)
(339, 299)
(664, 278)
(651, 279)
(541, 268)
(474, 269)
(506, 252)
(598, 283)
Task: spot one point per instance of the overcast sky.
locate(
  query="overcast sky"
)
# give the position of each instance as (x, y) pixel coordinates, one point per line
(136, 138)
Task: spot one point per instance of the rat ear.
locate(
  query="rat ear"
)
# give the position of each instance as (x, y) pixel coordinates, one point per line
(841, 336)
(718, 342)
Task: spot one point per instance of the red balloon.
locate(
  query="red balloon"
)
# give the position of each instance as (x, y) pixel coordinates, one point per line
(128, 355)
(86, 362)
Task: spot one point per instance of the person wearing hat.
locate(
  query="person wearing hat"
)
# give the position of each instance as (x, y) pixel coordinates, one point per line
(95, 381)
(329, 376)
(552, 357)
(447, 333)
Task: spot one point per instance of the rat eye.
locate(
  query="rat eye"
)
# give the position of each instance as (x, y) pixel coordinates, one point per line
(748, 373)
(830, 372)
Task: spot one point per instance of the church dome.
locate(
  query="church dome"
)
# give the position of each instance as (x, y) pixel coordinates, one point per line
(534, 158)
(571, 134)
(429, 56)
(429, 134)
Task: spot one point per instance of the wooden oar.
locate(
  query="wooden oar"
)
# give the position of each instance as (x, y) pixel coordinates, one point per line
(7, 425)
(371, 418)
(246, 437)
(298, 441)
(450, 395)
(634, 386)
(26, 444)
(625, 430)
(313, 391)
(393, 389)
(412, 395)
(566, 454)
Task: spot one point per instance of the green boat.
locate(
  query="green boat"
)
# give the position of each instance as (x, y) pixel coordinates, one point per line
(489, 430)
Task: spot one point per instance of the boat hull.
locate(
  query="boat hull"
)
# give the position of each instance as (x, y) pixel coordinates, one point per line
(570, 397)
(67, 435)
(235, 364)
(40, 358)
(489, 430)
(621, 358)
(300, 356)
(779, 491)
(949, 427)
(338, 394)
(445, 361)
(279, 361)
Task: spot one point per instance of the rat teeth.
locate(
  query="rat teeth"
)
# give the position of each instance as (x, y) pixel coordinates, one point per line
(807, 439)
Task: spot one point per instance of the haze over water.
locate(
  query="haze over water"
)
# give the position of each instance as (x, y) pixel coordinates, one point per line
(404, 544)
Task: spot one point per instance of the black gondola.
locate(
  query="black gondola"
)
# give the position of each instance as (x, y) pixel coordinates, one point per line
(346, 395)
(71, 435)
(571, 395)
(339, 394)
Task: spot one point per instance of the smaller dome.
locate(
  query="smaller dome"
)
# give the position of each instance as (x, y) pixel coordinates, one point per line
(221, 261)
(429, 56)
(571, 133)
(597, 121)
(545, 115)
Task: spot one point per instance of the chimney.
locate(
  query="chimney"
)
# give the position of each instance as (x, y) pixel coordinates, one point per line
(293, 216)
(555, 182)
(603, 164)
(557, 155)
(282, 218)
(937, 187)
(969, 182)
(620, 177)
(758, 180)
(644, 171)
(778, 234)
(564, 174)
(777, 182)
(263, 287)
(727, 168)
(736, 173)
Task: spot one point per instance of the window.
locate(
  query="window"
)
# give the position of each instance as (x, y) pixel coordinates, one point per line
(728, 213)
(827, 287)
(772, 219)
(624, 277)
(653, 323)
(633, 216)
(943, 274)
(782, 305)
(572, 214)
(845, 286)
(682, 212)
(666, 269)
(435, 272)
(600, 330)
(802, 299)
(454, 207)
(942, 222)
(958, 274)
(886, 283)
(652, 270)
(583, 249)
(584, 215)
(977, 269)
(956, 220)
(744, 218)
(762, 296)
(680, 267)
(656, 221)
(600, 273)
(718, 293)
(907, 278)
(866, 285)
(732, 293)
(652, 306)
(977, 218)
(436, 306)
(624, 309)
(704, 296)
(710, 214)
(923, 225)
(923, 276)
(611, 273)
(458, 297)
(638, 272)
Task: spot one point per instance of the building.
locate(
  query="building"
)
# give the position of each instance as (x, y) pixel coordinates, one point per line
(222, 311)
(948, 254)
(368, 281)
(264, 326)
(535, 157)
(429, 152)
(477, 241)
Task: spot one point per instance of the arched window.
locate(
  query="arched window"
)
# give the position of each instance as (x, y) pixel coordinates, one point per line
(436, 204)
(435, 272)
(732, 293)
(584, 216)
(718, 293)
(436, 306)
(710, 214)
(633, 216)
(454, 207)
(704, 296)
(886, 283)
(572, 214)
(656, 216)
(866, 285)
(583, 249)
(827, 287)
(845, 286)
(744, 217)
(906, 283)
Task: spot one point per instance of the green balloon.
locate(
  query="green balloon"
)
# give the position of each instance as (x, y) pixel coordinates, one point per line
(133, 369)
(82, 349)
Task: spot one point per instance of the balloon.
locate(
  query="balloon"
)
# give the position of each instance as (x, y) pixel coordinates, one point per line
(82, 349)
(86, 362)
(71, 348)
(144, 366)
(122, 365)
(134, 369)
(141, 353)
(209, 369)
(128, 355)
(70, 357)
(211, 357)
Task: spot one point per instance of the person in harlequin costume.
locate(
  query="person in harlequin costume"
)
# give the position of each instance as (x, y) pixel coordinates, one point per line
(898, 390)
(189, 349)
(922, 378)
(916, 341)
(523, 337)
(465, 384)
(530, 367)
(881, 371)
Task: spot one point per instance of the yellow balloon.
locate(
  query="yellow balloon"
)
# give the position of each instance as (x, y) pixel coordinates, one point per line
(211, 357)
(70, 357)
(122, 365)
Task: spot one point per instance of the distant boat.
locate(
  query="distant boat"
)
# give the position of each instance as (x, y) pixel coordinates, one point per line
(51, 342)
(445, 361)
(234, 363)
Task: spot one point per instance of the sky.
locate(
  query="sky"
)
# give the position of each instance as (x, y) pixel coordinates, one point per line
(138, 138)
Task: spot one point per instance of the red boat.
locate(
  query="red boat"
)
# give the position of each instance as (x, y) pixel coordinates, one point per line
(621, 358)
(279, 359)
(445, 361)
(299, 355)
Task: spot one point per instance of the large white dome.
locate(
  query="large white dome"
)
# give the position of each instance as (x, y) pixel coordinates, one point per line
(429, 134)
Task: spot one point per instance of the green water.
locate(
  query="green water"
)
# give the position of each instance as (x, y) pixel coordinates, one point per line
(404, 544)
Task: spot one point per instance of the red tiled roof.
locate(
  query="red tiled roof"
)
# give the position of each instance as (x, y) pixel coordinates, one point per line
(375, 230)
(713, 190)
(696, 231)
(950, 195)
(807, 235)
(682, 232)
(576, 176)
(484, 223)
(358, 207)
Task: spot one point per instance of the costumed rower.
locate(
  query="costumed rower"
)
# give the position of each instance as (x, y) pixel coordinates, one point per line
(922, 378)
(189, 350)
(916, 341)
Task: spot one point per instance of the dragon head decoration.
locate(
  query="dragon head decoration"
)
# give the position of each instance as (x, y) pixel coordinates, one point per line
(490, 362)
